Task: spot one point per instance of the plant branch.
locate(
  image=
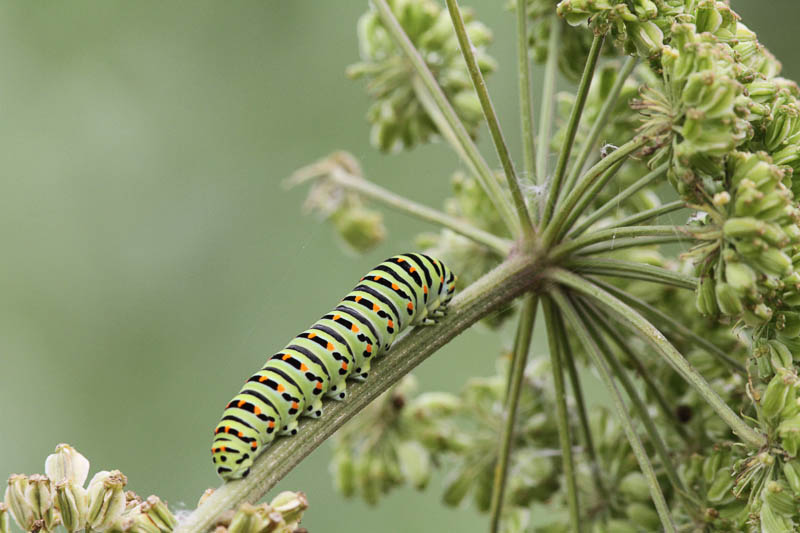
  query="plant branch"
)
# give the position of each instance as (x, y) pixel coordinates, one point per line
(468, 52)
(484, 173)
(600, 121)
(678, 232)
(649, 214)
(525, 96)
(615, 202)
(557, 355)
(423, 212)
(631, 270)
(572, 126)
(594, 352)
(548, 93)
(683, 331)
(489, 293)
(650, 333)
(513, 387)
(590, 196)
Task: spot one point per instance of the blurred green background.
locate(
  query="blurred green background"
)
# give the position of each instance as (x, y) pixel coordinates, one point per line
(150, 257)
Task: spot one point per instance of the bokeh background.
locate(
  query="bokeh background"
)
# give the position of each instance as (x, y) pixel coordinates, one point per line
(149, 257)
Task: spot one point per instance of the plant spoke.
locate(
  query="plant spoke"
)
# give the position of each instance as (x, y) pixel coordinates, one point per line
(525, 95)
(548, 99)
(649, 214)
(518, 363)
(632, 270)
(680, 233)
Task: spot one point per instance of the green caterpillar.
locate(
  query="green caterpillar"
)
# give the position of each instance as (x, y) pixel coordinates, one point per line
(405, 290)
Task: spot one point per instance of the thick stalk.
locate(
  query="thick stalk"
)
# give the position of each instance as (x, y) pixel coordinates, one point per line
(631, 270)
(572, 126)
(489, 293)
(468, 52)
(651, 334)
(690, 499)
(589, 177)
(663, 318)
(558, 352)
(600, 122)
(404, 205)
(525, 93)
(518, 362)
(594, 352)
(615, 202)
(484, 173)
(548, 99)
(680, 232)
(649, 214)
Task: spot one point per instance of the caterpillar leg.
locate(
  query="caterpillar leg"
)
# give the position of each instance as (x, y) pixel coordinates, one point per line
(314, 410)
(338, 392)
(289, 429)
(361, 372)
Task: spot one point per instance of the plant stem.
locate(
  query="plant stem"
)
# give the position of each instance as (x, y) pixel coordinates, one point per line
(513, 387)
(525, 95)
(615, 202)
(596, 171)
(613, 245)
(655, 437)
(557, 354)
(484, 173)
(548, 97)
(632, 270)
(650, 333)
(489, 293)
(572, 126)
(683, 331)
(649, 214)
(567, 247)
(600, 121)
(590, 196)
(468, 52)
(594, 352)
(423, 212)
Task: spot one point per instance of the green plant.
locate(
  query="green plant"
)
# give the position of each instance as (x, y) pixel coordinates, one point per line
(690, 326)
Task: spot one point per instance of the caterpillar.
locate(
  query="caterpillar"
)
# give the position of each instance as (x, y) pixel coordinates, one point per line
(405, 290)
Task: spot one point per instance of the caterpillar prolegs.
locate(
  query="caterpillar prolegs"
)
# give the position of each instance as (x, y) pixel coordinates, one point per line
(405, 290)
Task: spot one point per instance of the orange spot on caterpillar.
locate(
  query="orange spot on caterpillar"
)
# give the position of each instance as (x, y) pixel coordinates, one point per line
(410, 306)
(216, 431)
(281, 388)
(256, 410)
(395, 286)
(391, 323)
(303, 367)
(262, 379)
(441, 279)
(319, 385)
(240, 434)
(401, 260)
(375, 308)
(312, 335)
(377, 278)
(412, 270)
(337, 317)
(239, 404)
(425, 289)
(227, 429)
(369, 348)
(253, 445)
(354, 328)
(286, 357)
(271, 424)
(221, 448)
(295, 405)
(344, 366)
(358, 299)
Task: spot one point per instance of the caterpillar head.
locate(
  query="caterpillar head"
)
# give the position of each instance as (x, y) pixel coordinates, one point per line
(232, 459)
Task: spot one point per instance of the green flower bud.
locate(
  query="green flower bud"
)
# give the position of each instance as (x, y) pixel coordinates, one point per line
(777, 495)
(3, 518)
(249, 519)
(728, 299)
(788, 324)
(17, 501)
(66, 464)
(291, 506)
(344, 472)
(647, 37)
(774, 522)
(159, 514)
(72, 502)
(415, 463)
(706, 299)
(635, 487)
(772, 261)
(41, 496)
(791, 471)
(457, 486)
(780, 354)
(789, 432)
(740, 276)
(721, 488)
(779, 391)
(643, 516)
(106, 499)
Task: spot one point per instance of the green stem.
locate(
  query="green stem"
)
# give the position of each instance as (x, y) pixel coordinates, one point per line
(649, 214)
(557, 354)
(525, 95)
(590, 196)
(572, 126)
(600, 121)
(513, 387)
(489, 293)
(655, 390)
(615, 202)
(631, 270)
(484, 173)
(690, 499)
(600, 364)
(478, 81)
(650, 333)
(596, 171)
(423, 212)
(614, 245)
(548, 99)
(672, 324)
(680, 232)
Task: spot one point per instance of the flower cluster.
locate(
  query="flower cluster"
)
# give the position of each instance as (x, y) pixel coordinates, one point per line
(399, 116)
(281, 515)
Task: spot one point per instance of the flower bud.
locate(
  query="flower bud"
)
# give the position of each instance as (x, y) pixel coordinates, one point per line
(779, 497)
(644, 516)
(42, 499)
(778, 393)
(706, 300)
(780, 354)
(17, 502)
(106, 499)
(791, 471)
(635, 487)
(3, 518)
(415, 463)
(361, 229)
(291, 506)
(159, 514)
(789, 432)
(72, 502)
(772, 521)
(720, 489)
(728, 299)
(66, 464)
(249, 519)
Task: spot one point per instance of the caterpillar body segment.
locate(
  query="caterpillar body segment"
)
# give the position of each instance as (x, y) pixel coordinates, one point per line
(405, 290)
